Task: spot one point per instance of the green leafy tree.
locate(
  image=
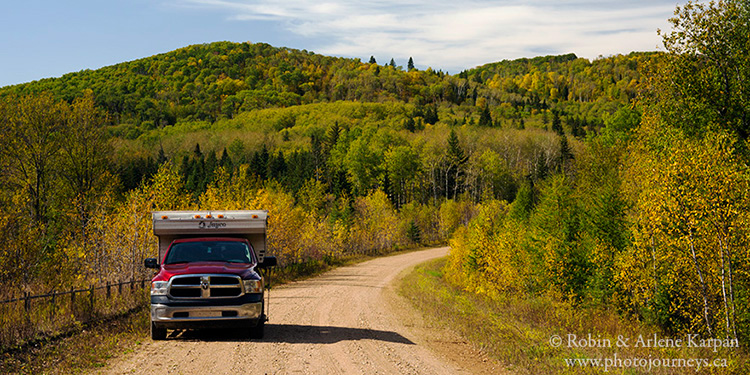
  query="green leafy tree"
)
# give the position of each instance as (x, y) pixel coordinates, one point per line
(402, 165)
(362, 165)
(84, 166)
(707, 70)
(30, 147)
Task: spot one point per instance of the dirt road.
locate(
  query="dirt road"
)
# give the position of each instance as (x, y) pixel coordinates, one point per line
(347, 321)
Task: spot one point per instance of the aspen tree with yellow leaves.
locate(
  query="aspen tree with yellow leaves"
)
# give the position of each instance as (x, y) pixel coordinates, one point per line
(689, 174)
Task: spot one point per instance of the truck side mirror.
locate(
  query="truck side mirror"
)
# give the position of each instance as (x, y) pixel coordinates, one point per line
(268, 262)
(151, 263)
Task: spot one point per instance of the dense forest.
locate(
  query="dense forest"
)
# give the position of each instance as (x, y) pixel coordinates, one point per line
(620, 181)
(650, 218)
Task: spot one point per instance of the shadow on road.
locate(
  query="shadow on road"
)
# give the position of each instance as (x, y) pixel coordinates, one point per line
(303, 334)
(295, 334)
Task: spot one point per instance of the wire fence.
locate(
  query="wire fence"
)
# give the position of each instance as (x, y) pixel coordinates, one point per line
(29, 317)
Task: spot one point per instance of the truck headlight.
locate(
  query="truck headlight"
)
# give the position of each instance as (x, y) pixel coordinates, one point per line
(159, 288)
(253, 286)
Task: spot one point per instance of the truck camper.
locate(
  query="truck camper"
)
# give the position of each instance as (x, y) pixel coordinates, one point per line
(210, 271)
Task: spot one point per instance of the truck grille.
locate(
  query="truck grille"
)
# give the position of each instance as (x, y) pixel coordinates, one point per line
(205, 286)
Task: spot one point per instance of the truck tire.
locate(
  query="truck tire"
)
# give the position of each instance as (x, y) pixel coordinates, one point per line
(158, 333)
(258, 331)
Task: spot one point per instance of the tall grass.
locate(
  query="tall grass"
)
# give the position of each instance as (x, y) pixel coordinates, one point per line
(26, 320)
(518, 331)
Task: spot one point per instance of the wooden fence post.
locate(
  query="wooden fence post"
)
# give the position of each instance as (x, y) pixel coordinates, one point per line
(52, 308)
(72, 302)
(91, 297)
(27, 305)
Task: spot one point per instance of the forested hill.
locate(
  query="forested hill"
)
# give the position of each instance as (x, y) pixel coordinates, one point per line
(621, 183)
(566, 81)
(212, 81)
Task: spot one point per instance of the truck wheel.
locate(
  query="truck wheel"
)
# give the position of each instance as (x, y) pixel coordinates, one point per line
(158, 333)
(258, 331)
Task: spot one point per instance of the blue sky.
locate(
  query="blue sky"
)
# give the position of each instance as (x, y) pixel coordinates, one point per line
(41, 38)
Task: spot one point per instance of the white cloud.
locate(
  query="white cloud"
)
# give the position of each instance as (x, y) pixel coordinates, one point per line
(454, 35)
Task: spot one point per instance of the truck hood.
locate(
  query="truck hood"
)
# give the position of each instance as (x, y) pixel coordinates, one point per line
(244, 270)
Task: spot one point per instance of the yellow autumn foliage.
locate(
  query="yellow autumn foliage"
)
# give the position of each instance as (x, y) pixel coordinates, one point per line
(692, 198)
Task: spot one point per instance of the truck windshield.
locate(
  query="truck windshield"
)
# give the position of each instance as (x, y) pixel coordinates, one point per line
(208, 251)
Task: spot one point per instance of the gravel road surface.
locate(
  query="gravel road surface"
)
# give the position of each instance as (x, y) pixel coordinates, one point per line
(347, 321)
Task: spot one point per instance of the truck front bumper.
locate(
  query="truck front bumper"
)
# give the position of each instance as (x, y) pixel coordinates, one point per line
(188, 317)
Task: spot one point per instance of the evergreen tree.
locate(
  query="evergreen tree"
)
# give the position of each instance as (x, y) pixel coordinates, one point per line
(277, 167)
(525, 200)
(456, 160)
(392, 63)
(211, 164)
(410, 64)
(576, 127)
(413, 232)
(197, 178)
(299, 169)
(259, 163)
(565, 153)
(340, 185)
(409, 124)
(185, 167)
(455, 152)
(430, 115)
(332, 137)
(225, 161)
(485, 117)
(557, 124)
(372, 60)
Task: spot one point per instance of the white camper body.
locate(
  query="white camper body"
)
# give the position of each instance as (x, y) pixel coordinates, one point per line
(173, 225)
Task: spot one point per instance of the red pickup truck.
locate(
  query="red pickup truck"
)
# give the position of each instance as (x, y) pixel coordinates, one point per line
(210, 275)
